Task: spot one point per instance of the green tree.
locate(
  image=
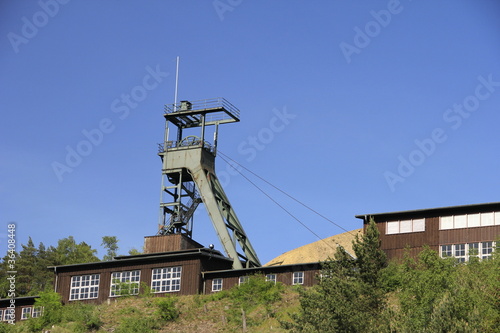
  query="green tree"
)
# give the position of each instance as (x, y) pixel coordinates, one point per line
(348, 296)
(441, 295)
(110, 243)
(26, 267)
(69, 252)
(133, 252)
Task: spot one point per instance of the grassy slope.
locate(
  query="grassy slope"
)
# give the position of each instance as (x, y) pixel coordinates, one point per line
(198, 313)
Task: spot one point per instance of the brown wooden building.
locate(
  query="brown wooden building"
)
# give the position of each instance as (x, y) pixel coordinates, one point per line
(459, 231)
(19, 308)
(183, 267)
(297, 274)
(175, 272)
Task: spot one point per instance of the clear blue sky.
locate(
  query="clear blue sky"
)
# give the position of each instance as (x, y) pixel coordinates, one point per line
(351, 107)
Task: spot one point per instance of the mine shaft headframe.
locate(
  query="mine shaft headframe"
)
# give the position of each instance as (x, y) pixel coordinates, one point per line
(187, 114)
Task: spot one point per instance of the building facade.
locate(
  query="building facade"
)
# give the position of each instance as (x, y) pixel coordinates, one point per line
(175, 272)
(458, 231)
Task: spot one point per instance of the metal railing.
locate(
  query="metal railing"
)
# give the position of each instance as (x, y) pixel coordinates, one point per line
(185, 143)
(206, 104)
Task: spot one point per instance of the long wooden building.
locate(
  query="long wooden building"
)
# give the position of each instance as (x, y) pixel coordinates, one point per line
(458, 231)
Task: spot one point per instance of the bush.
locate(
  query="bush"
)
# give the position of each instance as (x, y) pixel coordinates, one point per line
(52, 311)
(166, 308)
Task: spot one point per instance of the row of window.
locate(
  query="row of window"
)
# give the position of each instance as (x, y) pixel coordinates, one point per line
(297, 278)
(26, 312)
(405, 226)
(469, 220)
(463, 252)
(125, 283)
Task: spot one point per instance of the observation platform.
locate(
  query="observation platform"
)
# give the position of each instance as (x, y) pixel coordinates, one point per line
(187, 114)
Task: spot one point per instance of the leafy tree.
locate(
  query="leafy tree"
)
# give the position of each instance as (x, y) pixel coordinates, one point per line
(134, 252)
(69, 252)
(441, 295)
(110, 243)
(50, 302)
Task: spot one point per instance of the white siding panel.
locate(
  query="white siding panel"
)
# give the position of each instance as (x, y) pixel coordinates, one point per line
(487, 219)
(419, 225)
(473, 220)
(446, 222)
(393, 227)
(405, 226)
(460, 221)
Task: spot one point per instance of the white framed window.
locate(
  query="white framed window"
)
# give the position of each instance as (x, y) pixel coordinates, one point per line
(125, 283)
(37, 311)
(271, 278)
(298, 278)
(463, 252)
(486, 250)
(84, 287)
(217, 284)
(460, 252)
(166, 280)
(26, 313)
(2, 314)
(469, 220)
(405, 226)
(242, 279)
(8, 315)
(446, 251)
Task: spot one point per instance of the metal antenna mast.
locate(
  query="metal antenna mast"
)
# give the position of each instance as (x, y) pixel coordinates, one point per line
(188, 177)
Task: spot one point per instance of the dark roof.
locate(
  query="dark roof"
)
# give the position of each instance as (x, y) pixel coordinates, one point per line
(120, 260)
(430, 212)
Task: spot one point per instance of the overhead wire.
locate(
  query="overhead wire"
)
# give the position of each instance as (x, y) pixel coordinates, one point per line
(282, 191)
(276, 202)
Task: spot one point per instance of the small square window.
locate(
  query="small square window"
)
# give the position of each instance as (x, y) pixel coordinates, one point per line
(473, 249)
(271, 278)
(26, 313)
(37, 311)
(216, 284)
(243, 279)
(298, 278)
(446, 251)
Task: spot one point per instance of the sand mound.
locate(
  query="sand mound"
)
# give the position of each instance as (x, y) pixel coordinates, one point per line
(317, 251)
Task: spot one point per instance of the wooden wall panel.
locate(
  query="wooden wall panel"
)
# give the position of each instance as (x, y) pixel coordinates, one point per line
(190, 278)
(469, 235)
(231, 279)
(394, 245)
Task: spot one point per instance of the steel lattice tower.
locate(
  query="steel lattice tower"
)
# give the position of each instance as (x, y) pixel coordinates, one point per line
(189, 178)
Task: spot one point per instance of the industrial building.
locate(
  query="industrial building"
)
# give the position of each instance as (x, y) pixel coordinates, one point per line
(459, 231)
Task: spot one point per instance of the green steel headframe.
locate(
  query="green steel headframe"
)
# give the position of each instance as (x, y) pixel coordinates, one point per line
(189, 178)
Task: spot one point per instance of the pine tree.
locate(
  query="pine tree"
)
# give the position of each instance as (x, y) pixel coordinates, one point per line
(26, 267)
(348, 297)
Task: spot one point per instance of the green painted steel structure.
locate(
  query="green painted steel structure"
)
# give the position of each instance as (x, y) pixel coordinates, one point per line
(189, 178)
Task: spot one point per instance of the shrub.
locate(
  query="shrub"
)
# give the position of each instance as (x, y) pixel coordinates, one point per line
(166, 308)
